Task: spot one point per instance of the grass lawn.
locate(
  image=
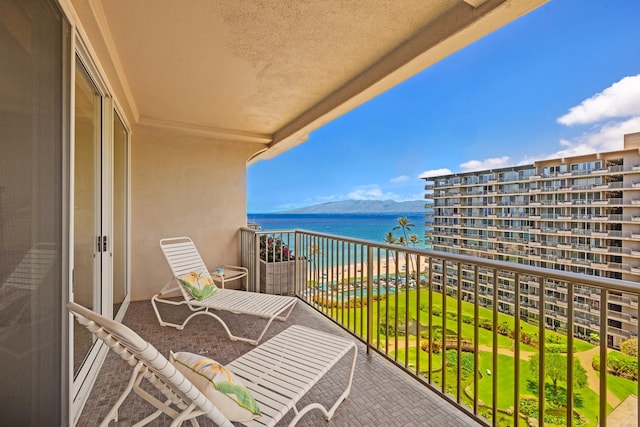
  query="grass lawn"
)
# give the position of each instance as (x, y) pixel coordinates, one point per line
(355, 318)
(586, 400)
(406, 305)
(621, 387)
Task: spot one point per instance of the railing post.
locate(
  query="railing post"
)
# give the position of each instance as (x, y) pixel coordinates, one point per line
(369, 295)
(296, 271)
(256, 263)
(604, 293)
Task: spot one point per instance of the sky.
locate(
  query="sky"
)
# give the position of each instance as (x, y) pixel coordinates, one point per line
(563, 80)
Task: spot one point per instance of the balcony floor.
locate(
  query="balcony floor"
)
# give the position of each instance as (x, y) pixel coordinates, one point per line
(381, 393)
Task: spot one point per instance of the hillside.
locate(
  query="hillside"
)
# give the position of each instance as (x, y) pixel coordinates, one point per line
(363, 206)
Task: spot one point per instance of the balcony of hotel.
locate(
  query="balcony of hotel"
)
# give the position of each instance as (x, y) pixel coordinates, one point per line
(205, 89)
(384, 297)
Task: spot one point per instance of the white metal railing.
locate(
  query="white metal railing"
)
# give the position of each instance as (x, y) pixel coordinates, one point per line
(393, 299)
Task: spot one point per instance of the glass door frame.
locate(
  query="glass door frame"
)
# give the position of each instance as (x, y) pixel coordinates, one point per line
(80, 385)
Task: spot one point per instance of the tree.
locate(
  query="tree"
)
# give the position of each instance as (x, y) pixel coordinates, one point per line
(405, 225)
(314, 250)
(630, 347)
(390, 238)
(555, 368)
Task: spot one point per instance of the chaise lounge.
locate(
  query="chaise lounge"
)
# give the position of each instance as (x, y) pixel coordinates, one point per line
(256, 389)
(192, 278)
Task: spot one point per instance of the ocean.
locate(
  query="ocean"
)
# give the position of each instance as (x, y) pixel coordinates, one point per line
(372, 227)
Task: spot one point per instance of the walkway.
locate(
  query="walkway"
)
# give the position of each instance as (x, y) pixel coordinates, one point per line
(594, 382)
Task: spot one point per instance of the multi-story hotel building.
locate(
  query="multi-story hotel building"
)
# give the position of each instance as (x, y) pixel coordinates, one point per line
(578, 214)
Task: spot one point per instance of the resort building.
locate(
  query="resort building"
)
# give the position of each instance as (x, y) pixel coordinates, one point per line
(576, 214)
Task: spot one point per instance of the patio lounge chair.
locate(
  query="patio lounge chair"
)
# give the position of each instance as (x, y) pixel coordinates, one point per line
(277, 373)
(183, 258)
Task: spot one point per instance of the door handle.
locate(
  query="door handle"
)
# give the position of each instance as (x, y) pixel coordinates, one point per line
(102, 243)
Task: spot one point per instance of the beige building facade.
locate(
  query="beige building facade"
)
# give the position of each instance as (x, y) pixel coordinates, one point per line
(579, 214)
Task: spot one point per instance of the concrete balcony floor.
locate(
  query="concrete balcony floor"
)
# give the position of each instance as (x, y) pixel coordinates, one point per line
(381, 394)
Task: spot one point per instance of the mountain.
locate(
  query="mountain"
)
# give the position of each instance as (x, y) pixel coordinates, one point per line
(363, 206)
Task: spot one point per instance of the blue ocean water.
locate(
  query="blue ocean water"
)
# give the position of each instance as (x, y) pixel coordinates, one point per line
(373, 227)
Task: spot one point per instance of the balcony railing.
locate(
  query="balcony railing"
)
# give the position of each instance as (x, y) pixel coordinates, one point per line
(427, 313)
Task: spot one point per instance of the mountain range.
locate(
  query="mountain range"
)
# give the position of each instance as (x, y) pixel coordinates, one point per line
(363, 206)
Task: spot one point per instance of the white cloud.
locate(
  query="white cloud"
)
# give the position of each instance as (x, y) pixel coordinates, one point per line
(490, 163)
(400, 179)
(607, 137)
(621, 99)
(371, 192)
(435, 172)
(611, 113)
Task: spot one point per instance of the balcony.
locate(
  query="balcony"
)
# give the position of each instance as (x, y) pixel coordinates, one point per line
(368, 291)
(381, 393)
(379, 280)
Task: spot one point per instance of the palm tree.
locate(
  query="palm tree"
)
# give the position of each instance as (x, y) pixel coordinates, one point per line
(406, 226)
(314, 251)
(391, 239)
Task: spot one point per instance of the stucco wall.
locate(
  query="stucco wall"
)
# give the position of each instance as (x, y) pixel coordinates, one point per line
(183, 185)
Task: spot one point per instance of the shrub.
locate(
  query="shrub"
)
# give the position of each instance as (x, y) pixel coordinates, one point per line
(485, 323)
(437, 310)
(630, 347)
(554, 339)
(435, 347)
(467, 319)
(389, 332)
(619, 364)
(623, 365)
(504, 329)
(555, 348)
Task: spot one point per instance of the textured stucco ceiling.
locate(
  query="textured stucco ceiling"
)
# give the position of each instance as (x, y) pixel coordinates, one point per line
(270, 72)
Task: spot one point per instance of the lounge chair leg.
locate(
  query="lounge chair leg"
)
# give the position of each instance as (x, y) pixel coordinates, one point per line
(113, 413)
(328, 414)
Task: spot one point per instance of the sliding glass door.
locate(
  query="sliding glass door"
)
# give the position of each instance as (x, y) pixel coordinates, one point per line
(120, 233)
(100, 218)
(87, 265)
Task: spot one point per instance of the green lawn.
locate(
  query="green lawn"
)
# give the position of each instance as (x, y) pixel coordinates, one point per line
(586, 401)
(355, 319)
(621, 387)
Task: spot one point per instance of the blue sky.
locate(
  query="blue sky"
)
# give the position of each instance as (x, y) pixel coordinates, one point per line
(562, 80)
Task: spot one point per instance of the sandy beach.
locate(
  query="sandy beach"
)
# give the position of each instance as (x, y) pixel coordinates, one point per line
(382, 267)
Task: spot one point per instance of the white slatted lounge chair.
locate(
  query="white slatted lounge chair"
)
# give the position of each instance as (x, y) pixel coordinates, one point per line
(277, 373)
(183, 258)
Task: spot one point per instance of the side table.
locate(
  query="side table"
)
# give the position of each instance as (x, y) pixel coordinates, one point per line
(231, 273)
